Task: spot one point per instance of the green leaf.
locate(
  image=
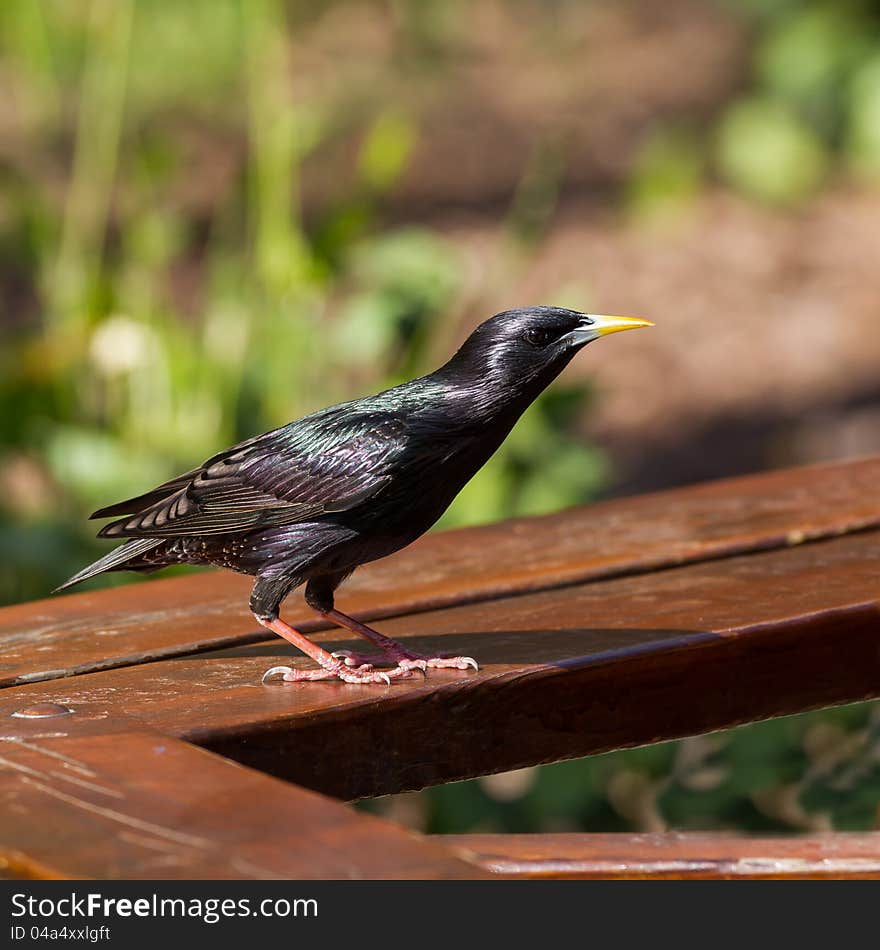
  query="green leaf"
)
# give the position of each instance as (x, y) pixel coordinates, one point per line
(767, 152)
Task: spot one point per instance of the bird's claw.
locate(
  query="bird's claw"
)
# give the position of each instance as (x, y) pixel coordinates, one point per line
(361, 675)
(406, 660)
(338, 670)
(351, 659)
(453, 663)
(273, 671)
(414, 663)
(353, 667)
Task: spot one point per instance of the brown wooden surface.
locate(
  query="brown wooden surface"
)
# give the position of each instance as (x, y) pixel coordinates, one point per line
(565, 672)
(82, 632)
(96, 796)
(671, 855)
(635, 621)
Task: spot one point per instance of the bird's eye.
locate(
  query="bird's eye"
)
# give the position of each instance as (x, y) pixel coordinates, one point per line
(535, 337)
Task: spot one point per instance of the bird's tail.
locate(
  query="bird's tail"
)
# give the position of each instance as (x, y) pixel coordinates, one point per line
(117, 558)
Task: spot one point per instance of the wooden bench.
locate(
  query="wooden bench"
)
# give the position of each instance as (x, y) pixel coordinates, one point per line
(137, 740)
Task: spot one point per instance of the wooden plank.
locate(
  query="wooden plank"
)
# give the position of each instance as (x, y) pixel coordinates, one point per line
(565, 673)
(674, 855)
(97, 630)
(89, 796)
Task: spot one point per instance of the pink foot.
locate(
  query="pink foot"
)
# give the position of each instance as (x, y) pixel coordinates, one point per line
(406, 660)
(364, 673)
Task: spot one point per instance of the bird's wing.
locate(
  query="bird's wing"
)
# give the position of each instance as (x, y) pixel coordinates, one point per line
(326, 463)
(142, 502)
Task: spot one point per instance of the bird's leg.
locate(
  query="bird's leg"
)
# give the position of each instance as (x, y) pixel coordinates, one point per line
(330, 667)
(320, 597)
(391, 650)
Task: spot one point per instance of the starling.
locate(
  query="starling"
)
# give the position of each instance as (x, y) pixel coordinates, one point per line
(312, 501)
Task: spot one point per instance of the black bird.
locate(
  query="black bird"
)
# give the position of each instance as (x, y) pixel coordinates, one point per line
(312, 501)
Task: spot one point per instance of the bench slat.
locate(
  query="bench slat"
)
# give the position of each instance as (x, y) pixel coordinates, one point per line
(92, 797)
(673, 855)
(565, 673)
(91, 631)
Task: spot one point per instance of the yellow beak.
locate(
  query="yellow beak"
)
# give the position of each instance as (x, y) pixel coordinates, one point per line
(602, 325)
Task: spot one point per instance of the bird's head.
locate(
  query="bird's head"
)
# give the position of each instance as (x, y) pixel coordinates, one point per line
(526, 349)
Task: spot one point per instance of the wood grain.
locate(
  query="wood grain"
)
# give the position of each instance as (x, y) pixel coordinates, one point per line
(672, 855)
(93, 796)
(96, 630)
(566, 673)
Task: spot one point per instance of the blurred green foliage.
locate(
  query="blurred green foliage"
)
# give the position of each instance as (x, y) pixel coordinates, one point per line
(809, 112)
(767, 151)
(814, 102)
